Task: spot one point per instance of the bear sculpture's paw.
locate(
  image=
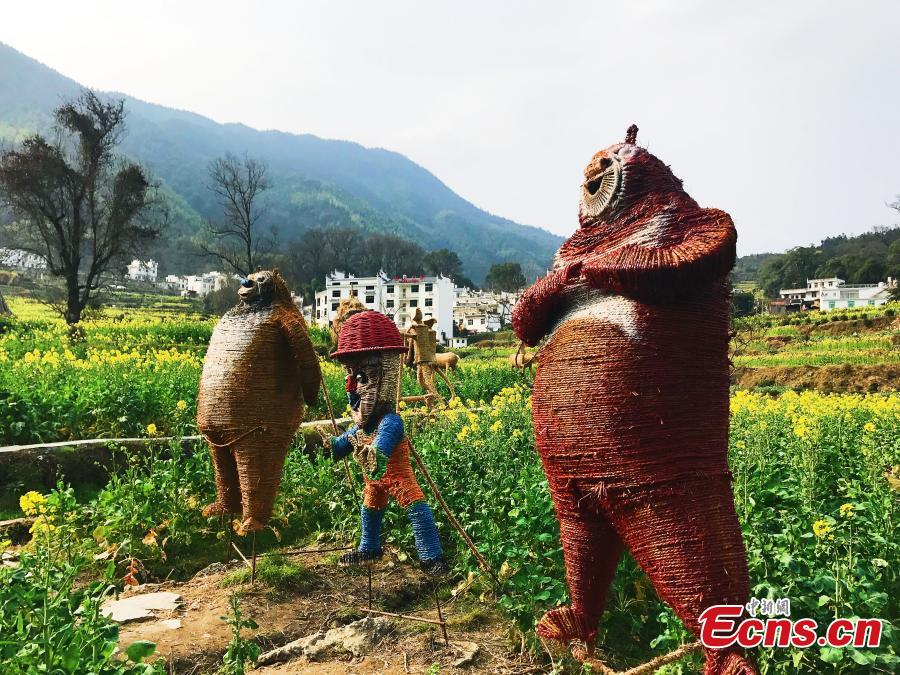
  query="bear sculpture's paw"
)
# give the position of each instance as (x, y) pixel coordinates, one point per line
(250, 524)
(565, 624)
(214, 509)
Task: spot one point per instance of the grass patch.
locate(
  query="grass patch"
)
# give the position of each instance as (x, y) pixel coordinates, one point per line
(472, 619)
(283, 576)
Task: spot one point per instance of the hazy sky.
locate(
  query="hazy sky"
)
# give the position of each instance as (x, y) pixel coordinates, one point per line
(786, 114)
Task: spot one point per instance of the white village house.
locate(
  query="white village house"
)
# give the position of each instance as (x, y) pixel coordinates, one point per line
(17, 259)
(143, 270)
(832, 293)
(198, 284)
(482, 311)
(398, 297)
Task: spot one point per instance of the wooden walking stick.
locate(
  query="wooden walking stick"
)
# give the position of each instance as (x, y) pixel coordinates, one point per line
(453, 521)
(334, 426)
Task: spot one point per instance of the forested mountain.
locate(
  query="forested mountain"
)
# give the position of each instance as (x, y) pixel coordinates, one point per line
(316, 183)
(864, 259)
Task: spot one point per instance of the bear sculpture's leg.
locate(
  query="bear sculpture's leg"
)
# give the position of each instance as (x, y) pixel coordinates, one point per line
(228, 492)
(685, 535)
(260, 459)
(591, 551)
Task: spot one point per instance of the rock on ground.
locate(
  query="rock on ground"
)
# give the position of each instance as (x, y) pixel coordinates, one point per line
(136, 607)
(356, 638)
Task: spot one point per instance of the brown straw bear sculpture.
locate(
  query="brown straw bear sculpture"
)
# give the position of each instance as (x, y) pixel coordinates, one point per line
(630, 399)
(259, 370)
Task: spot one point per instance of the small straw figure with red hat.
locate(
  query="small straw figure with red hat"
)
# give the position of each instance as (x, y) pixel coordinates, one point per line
(370, 348)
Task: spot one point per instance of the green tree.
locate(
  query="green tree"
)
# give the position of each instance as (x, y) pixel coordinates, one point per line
(78, 205)
(443, 261)
(505, 277)
(743, 303)
(871, 271)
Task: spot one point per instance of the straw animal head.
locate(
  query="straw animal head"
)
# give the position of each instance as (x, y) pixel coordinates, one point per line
(619, 177)
(263, 287)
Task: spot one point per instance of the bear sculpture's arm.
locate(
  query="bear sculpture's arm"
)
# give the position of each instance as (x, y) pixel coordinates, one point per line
(675, 267)
(534, 310)
(672, 269)
(308, 369)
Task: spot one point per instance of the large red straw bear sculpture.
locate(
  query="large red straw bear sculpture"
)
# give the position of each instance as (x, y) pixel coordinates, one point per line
(631, 396)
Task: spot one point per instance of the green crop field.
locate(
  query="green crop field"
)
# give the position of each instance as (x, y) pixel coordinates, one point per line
(815, 483)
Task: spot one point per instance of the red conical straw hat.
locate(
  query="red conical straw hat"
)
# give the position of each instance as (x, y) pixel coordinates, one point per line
(368, 331)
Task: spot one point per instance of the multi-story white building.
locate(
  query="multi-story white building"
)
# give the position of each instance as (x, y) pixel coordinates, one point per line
(398, 297)
(18, 259)
(140, 270)
(832, 293)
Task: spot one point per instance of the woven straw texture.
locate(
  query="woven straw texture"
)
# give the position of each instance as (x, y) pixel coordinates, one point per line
(630, 403)
(259, 369)
(347, 308)
(423, 338)
(422, 341)
(368, 331)
(399, 482)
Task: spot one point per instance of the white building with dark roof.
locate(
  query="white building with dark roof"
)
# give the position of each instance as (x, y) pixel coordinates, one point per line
(398, 297)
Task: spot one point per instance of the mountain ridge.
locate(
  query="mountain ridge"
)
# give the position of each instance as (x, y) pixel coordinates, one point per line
(317, 182)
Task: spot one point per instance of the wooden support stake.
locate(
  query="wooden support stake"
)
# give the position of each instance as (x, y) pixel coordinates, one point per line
(253, 562)
(437, 602)
(369, 568)
(230, 527)
(408, 617)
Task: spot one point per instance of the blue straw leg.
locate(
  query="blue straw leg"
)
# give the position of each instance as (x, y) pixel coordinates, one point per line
(428, 545)
(370, 541)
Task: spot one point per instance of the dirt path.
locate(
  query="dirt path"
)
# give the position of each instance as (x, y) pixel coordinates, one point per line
(193, 637)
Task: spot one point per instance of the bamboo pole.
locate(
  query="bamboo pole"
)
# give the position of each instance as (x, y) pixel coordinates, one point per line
(334, 426)
(644, 669)
(103, 443)
(408, 617)
(240, 553)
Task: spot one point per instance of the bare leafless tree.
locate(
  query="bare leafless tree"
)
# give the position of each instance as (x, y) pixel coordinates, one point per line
(76, 203)
(238, 184)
